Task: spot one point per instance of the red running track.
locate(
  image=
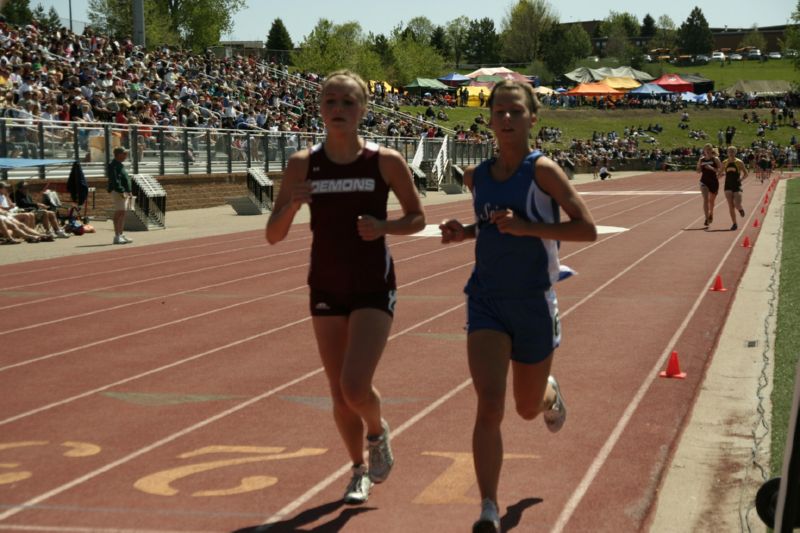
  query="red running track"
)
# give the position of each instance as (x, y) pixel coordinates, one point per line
(176, 387)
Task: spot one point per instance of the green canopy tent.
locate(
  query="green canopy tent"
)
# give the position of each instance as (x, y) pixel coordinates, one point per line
(426, 84)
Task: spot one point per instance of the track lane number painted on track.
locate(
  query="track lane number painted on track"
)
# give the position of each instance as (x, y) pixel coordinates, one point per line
(18, 471)
(452, 486)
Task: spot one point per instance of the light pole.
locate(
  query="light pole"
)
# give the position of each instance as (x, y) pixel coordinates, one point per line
(70, 15)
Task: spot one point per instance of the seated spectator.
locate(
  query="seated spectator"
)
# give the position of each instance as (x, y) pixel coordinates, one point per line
(6, 233)
(24, 200)
(10, 209)
(13, 231)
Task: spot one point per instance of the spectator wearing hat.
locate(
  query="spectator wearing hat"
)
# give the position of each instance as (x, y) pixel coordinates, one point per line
(119, 185)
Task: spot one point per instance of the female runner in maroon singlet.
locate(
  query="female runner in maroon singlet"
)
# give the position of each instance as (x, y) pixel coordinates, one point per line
(709, 166)
(346, 181)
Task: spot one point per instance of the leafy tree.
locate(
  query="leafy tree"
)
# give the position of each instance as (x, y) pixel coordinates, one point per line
(755, 39)
(791, 37)
(194, 24)
(201, 23)
(483, 42)
(115, 18)
(619, 45)
(694, 35)
(420, 29)
(47, 20)
(328, 47)
(619, 24)
(332, 46)
(523, 28)
(457, 30)
(380, 45)
(648, 28)
(278, 41)
(414, 59)
(439, 41)
(666, 35)
(619, 28)
(18, 12)
(563, 45)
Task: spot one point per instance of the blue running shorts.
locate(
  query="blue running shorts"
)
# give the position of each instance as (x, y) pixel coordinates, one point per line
(531, 323)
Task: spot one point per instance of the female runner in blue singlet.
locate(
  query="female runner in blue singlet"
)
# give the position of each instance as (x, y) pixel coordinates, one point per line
(512, 313)
(346, 182)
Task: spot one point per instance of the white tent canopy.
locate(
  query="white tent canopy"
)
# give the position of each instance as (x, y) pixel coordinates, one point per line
(488, 72)
(587, 75)
(761, 87)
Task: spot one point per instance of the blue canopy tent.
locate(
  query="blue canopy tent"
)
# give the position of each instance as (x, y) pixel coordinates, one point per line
(651, 89)
(454, 79)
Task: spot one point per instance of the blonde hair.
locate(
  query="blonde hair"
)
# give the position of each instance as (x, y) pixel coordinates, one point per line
(346, 73)
(512, 85)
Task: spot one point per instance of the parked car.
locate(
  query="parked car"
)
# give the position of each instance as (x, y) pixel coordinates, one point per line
(775, 55)
(701, 58)
(735, 57)
(755, 53)
(790, 53)
(717, 56)
(648, 58)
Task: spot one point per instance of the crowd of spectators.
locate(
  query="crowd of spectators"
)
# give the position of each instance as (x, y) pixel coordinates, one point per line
(88, 78)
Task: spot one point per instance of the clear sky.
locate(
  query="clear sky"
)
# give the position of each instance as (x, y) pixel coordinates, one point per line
(380, 16)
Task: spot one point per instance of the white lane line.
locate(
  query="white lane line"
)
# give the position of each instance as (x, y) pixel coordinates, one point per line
(636, 193)
(183, 319)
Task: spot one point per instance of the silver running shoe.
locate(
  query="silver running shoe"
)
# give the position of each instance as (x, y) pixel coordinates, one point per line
(555, 416)
(489, 521)
(381, 459)
(358, 489)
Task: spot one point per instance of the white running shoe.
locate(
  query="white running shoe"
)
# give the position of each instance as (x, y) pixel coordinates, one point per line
(118, 240)
(125, 239)
(381, 459)
(555, 416)
(358, 489)
(489, 521)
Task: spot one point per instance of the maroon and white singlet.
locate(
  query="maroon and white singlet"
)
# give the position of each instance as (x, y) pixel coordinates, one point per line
(341, 261)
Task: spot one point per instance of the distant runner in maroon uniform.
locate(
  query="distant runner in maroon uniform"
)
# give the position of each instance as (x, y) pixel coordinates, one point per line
(709, 166)
(346, 183)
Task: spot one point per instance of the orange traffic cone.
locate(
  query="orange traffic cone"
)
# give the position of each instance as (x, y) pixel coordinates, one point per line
(763, 210)
(717, 287)
(755, 223)
(746, 242)
(766, 198)
(673, 368)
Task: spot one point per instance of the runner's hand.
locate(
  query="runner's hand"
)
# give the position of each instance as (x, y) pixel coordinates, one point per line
(452, 231)
(370, 228)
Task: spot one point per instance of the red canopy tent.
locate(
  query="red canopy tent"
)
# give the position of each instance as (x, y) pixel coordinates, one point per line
(674, 83)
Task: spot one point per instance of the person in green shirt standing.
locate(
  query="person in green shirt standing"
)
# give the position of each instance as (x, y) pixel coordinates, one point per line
(119, 185)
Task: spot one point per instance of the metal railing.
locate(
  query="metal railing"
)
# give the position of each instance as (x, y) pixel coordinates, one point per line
(165, 150)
